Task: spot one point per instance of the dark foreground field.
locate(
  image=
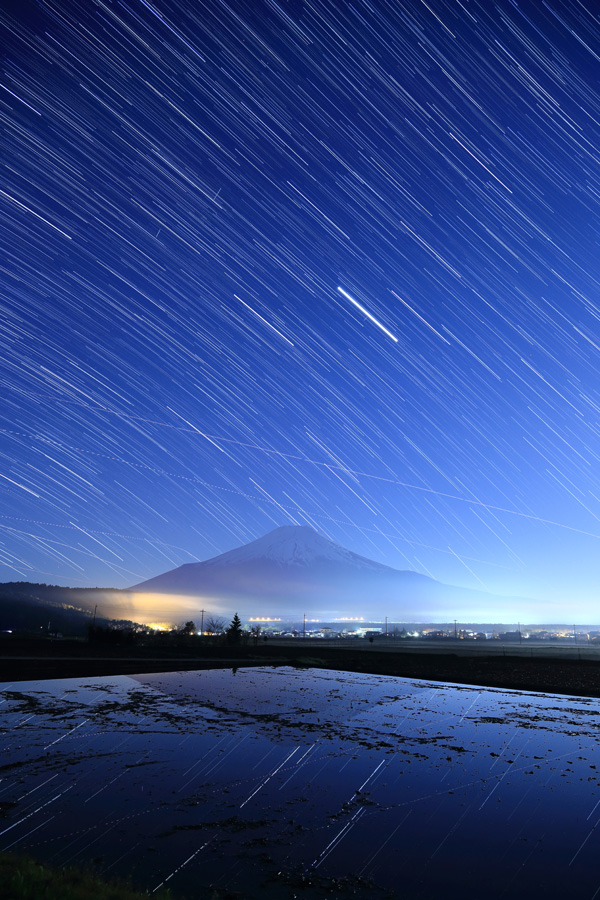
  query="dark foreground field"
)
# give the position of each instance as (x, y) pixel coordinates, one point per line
(269, 782)
(22, 660)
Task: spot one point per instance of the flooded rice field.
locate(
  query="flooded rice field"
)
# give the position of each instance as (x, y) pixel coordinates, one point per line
(304, 783)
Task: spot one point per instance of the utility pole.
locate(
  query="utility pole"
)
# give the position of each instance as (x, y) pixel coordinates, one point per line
(94, 622)
(455, 632)
(202, 623)
(304, 627)
(519, 627)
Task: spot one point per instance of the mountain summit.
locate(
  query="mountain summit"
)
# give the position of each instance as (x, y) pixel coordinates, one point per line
(294, 570)
(294, 546)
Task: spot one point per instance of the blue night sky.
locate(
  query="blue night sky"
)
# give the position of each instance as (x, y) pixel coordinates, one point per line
(324, 263)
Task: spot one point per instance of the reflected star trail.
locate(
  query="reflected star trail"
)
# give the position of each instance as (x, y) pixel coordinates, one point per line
(191, 195)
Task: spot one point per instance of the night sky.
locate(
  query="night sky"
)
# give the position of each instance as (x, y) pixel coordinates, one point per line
(324, 263)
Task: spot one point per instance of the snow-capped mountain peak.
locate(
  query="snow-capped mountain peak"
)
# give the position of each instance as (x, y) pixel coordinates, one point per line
(295, 571)
(293, 545)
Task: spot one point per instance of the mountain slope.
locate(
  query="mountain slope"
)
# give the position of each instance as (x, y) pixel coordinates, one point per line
(44, 608)
(294, 570)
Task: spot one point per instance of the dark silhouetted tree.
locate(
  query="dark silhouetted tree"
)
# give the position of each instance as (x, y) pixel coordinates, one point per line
(214, 625)
(234, 632)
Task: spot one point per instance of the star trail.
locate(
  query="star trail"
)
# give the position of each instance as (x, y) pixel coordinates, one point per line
(302, 262)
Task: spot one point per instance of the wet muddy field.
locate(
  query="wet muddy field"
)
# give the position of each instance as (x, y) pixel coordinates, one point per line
(304, 783)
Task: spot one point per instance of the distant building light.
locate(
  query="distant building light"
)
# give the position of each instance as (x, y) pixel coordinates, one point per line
(264, 619)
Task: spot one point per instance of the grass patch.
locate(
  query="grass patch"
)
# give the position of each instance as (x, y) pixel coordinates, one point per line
(22, 878)
(311, 662)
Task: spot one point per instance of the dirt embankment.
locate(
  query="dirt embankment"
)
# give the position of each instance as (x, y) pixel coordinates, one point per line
(33, 660)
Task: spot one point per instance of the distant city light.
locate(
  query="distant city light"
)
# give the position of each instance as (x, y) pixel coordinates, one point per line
(264, 619)
(289, 618)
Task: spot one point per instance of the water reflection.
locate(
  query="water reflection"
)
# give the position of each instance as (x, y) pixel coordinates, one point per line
(286, 782)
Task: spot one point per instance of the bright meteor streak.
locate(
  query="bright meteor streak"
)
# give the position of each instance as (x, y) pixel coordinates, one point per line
(367, 314)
